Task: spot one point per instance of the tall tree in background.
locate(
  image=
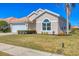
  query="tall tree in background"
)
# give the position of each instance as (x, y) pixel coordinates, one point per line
(68, 8)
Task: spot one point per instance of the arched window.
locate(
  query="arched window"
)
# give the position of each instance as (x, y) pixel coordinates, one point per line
(46, 25)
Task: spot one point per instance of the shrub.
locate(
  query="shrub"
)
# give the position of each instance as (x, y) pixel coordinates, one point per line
(44, 33)
(26, 31)
(4, 27)
(6, 30)
(31, 31)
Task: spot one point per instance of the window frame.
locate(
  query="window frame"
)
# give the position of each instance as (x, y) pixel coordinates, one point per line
(46, 22)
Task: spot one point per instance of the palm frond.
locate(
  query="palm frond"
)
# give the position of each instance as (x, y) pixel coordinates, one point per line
(73, 5)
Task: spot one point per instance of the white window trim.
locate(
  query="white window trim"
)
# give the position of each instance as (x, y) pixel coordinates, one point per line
(42, 26)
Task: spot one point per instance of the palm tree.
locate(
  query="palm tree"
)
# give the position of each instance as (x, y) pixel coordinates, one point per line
(68, 9)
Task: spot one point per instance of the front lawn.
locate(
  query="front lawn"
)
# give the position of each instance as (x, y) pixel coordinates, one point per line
(47, 43)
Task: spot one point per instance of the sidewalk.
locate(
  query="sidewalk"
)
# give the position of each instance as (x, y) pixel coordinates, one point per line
(21, 51)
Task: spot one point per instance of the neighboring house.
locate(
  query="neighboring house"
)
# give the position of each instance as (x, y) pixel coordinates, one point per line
(73, 27)
(17, 24)
(41, 21)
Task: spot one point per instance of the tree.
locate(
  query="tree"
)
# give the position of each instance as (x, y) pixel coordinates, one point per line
(68, 9)
(4, 27)
(3, 23)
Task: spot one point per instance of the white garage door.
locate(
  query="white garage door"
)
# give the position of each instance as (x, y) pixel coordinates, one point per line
(18, 26)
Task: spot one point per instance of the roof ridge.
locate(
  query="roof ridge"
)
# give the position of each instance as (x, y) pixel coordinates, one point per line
(39, 9)
(31, 13)
(52, 12)
(35, 12)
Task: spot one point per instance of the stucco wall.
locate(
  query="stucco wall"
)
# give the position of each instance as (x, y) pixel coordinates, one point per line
(32, 16)
(35, 14)
(32, 26)
(52, 18)
(39, 12)
(61, 24)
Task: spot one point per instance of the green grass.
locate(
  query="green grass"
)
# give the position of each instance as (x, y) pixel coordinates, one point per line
(4, 54)
(47, 43)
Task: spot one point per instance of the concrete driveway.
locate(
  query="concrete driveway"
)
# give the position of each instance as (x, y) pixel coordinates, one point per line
(2, 34)
(21, 51)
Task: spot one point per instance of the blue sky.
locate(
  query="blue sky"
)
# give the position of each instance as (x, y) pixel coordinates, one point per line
(19, 10)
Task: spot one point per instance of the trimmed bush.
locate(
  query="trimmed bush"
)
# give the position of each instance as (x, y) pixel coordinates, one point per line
(31, 31)
(44, 33)
(26, 31)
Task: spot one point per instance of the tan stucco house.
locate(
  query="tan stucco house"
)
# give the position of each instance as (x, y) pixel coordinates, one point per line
(41, 20)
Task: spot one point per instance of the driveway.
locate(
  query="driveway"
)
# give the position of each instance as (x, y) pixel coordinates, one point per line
(2, 34)
(21, 51)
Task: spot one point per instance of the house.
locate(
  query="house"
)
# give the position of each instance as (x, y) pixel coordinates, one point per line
(74, 27)
(41, 20)
(17, 24)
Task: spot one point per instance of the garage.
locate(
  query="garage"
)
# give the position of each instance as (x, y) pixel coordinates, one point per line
(18, 26)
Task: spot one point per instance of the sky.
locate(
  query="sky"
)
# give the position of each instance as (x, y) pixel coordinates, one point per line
(19, 10)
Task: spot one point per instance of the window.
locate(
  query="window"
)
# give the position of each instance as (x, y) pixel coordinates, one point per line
(63, 27)
(46, 25)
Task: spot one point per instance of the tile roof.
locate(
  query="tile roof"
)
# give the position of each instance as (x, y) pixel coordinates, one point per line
(16, 20)
(74, 27)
